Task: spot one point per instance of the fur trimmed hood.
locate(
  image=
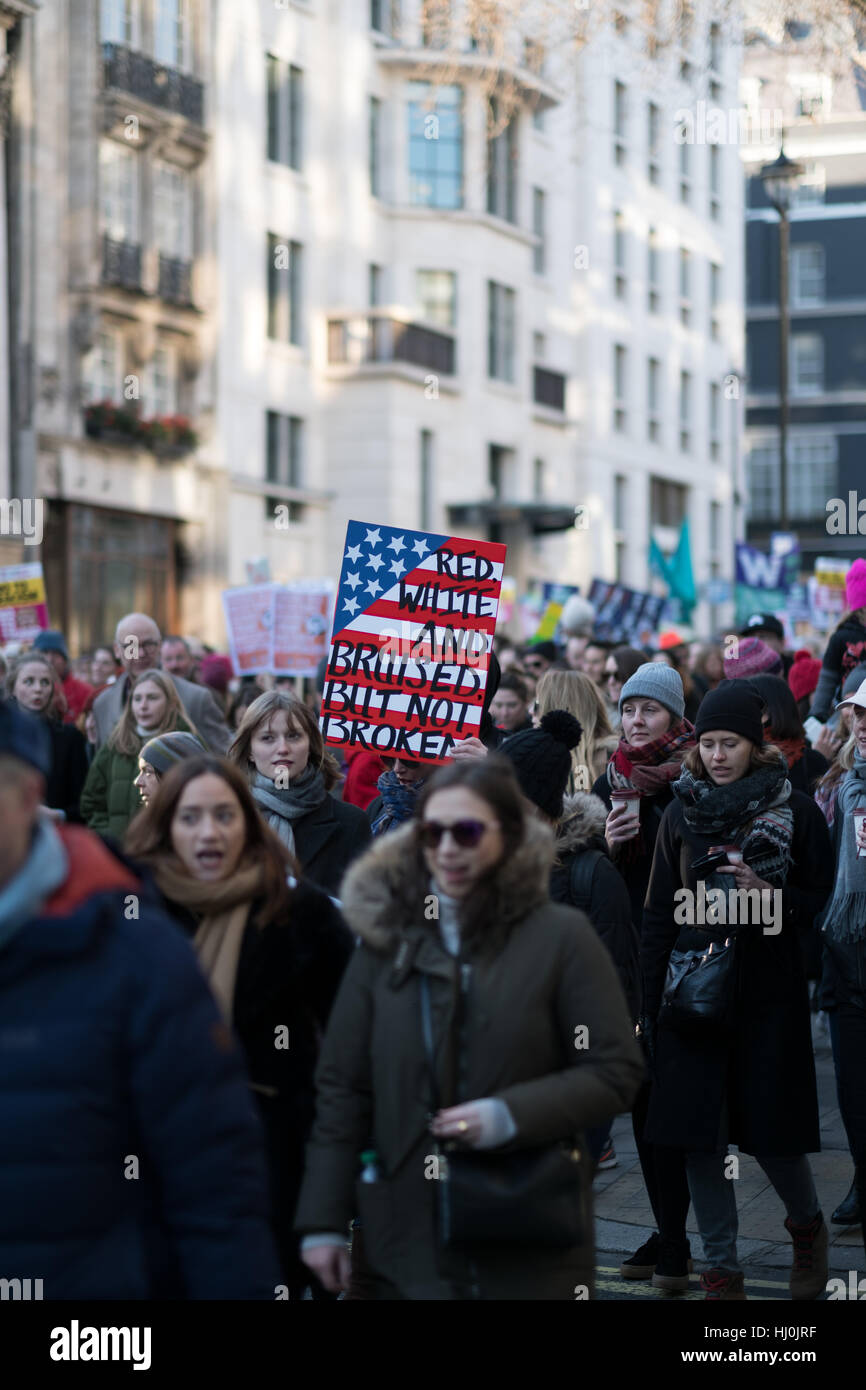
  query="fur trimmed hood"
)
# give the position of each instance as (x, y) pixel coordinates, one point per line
(583, 819)
(379, 899)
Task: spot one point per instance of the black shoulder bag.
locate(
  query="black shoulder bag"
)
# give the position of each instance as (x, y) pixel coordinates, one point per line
(700, 986)
(485, 1197)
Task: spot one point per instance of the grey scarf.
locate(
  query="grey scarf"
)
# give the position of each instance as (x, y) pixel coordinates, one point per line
(43, 871)
(280, 806)
(845, 915)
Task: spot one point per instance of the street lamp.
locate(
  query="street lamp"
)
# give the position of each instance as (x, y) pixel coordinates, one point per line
(780, 179)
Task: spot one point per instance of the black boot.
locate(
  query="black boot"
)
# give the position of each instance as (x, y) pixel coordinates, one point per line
(848, 1211)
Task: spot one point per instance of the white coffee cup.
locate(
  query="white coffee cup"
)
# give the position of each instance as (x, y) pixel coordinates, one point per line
(859, 820)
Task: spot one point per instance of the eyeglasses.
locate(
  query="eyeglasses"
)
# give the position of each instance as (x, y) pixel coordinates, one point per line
(612, 676)
(465, 833)
(149, 646)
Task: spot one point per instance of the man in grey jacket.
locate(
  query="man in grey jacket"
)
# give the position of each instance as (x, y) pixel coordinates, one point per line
(137, 647)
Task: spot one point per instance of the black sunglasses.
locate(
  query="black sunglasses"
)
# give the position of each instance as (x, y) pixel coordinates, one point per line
(465, 833)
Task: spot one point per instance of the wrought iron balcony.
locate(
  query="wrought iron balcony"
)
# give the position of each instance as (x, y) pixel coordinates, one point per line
(548, 388)
(121, 264)
(354, 341)
(175, 280)
(169, 88)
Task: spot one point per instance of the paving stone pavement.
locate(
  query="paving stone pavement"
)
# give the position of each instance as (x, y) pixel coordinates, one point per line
(624, 1220)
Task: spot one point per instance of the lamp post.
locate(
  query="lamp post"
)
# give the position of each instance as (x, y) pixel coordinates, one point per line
(780, 179)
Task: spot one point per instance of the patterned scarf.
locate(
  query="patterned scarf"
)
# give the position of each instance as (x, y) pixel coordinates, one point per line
(753, 813)
(845, 915)
(653, 766)
(398, 802)
(280, 806)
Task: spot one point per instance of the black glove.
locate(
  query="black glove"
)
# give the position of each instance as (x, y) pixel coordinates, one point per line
(645, 1032)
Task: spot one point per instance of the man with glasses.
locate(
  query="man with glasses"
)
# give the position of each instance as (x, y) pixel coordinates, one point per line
(137, 647)
(539, 657)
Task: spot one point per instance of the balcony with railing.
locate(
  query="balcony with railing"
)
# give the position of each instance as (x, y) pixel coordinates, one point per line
(175, 280)
(359, 340)
(121, 264)
(548, 388)
(127, 70)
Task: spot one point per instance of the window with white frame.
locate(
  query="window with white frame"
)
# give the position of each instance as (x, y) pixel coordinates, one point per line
(173, 210)
(653, 271)
(118, 192)
(539, 227)
(502, 163)
(685, 411)
(813, 92)
(619, 255)
(501, 330)
(283, 461)
(806, 364)
(425, 480)
(375, 285)
(812, 477)
(715, 155)
(811, 186)
(653, 131)
(620, 387)
(714, 44)
(120, 22)
(685, 286)
(715, 420)
(685, 171)
(808, 270)
(374, 146)
(653, 397)
(619, 122)
(160, 386)
(285, 112)
(172, 35)
(715, 298)
(436, 293)
(539, 488)
(620, 532)
(284, 280)
(435, 145)
(103, 368)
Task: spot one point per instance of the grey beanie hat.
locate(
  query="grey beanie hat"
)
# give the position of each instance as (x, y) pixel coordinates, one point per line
(853, 680)
(655, 680)
(165, 750)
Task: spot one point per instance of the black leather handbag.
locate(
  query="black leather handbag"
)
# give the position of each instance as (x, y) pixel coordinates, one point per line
(530, 1197)
(700, 986)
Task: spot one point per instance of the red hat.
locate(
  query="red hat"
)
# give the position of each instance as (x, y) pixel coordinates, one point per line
(216, 671)
(803, 675)
(669, 639)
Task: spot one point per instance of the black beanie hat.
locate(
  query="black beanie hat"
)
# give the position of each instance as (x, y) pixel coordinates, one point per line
(734, 705)
(542, 759)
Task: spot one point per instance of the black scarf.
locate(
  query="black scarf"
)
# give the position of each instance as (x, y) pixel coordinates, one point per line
(753, 813)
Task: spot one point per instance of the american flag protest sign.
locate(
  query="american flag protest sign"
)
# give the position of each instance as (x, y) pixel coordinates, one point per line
(413, 628)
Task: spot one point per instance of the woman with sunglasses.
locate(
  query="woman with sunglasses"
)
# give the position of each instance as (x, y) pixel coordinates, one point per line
(454, 907)
(621, 664)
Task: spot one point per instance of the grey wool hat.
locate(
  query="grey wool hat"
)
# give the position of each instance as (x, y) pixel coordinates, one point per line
(165, 750)
(655, 680)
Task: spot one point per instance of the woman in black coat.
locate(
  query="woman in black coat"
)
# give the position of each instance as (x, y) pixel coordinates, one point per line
(273, 947)
(32, 684)
(750, 1082)
(280, 749)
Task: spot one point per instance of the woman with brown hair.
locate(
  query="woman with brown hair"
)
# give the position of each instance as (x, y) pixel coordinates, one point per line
(272, 946)
(463, 1018)
(279, 747)
(741, 862)
(33, 684)
(581, 697)
(110, 797)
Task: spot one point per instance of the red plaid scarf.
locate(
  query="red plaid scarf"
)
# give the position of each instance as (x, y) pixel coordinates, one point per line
(653, 766)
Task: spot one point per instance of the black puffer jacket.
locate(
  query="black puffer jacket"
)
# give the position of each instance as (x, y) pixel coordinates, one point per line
(600, 892)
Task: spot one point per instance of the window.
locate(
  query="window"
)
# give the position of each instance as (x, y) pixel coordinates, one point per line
(667, 502)
(539, 347)
(385, 16)
(814, 93)
(374, 152)
(715, 298)
(811, 186)
(539, 490)
(172, 39)
(375, 281)
(118, 192)
(715, 182)
(619, 256)
(812, 477)
(715, 528)
(685, 171)
(620, 386)
(715, 48)
(653, 271)
(534, 56)
(436, 292)
(172, 211)
(425, 482)
(284, 460)
(807, 364)
(435, 23)
(653, 130)
(539, 220)
(619, 122)
(502, 164)
(500, 470)
(685, 411)
(501, 314)
(284, 290)
(620, 492)
(435, 146)
(653, 395)
(807, 276)
(685, 286)
(285, 112)
(715, 420)
(160, 388)
(120, 22)
(103, 373)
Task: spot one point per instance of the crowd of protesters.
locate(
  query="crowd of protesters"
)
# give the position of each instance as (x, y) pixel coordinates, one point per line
(286, 984)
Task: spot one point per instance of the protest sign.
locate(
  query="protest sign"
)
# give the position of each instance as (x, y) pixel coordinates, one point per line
(23, 610)
(624, 615)
(554, 598)
(763, 581)
(249, 614)
(413, 628)
(301, 617)
(826, 590)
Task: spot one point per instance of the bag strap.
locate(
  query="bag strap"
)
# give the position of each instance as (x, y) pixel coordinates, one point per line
(427, 1029)
(580, 877)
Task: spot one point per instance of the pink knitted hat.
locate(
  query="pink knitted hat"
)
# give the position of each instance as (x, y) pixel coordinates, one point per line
(855, 585)
(753, 658)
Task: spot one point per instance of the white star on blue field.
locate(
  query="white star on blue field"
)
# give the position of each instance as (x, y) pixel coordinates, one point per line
(393, 550)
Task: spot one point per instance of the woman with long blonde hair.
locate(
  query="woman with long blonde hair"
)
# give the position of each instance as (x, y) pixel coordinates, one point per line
(110, 798)
(280, 749)
(581, 697)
